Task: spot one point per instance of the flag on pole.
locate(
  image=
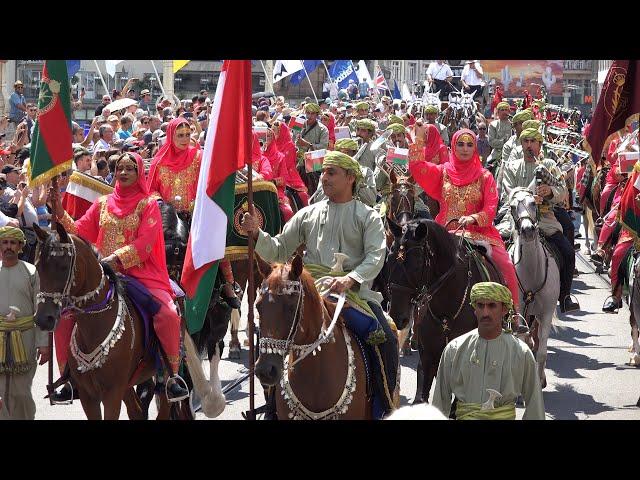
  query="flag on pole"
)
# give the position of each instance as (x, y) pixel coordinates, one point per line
(178, 64)
(313, 160)
(110, 66)
(72, 67)
(396, 91)
(284, 68)
(398, 156)
(381, 83)
(51, 150)
(618, 106)
(406, 93)
(228, 146)
(363, 73)
(341, 71)
(309, 66)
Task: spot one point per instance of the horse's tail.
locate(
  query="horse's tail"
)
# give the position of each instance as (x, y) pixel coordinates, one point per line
(213, 402)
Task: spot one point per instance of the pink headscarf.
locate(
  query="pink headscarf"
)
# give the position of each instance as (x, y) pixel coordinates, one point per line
(460, 172)
(434, 146)
(124, 200)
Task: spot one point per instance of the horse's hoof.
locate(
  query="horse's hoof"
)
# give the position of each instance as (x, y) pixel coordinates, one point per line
(234, 354)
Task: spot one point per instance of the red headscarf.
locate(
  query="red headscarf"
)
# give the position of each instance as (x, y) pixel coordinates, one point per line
(460, 172)
(434, 146)
(171, 156)
(124, 200)
(286, 146)
(259, 160)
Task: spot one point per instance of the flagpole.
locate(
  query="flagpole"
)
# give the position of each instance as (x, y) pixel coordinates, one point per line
(106, 89)
(266, 76)
(164, 94)
(329, 75)
(307, 74)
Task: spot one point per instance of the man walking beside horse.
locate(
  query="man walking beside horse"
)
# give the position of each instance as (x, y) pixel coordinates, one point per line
(20, 342)
(487, 369)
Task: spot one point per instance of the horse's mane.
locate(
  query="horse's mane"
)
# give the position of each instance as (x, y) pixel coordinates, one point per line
(441, 237)
(279, 274)
(171, 223)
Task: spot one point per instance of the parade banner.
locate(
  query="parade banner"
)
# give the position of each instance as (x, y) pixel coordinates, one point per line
(309, 66)
(516, 76)
(313, 160)
(227, 148)
(342, 132)
(398, 156)
(618, 107)
(342, 71)
(51, 150)
(284, 68)
(265, 203)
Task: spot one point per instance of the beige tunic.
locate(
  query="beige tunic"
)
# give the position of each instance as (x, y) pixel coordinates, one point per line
(18, 288)
(470, 365)
(499, 133)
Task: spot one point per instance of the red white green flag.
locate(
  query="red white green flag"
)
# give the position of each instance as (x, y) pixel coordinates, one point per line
(313, 160)
(51, 150)
(296, 124)
(228, 146)
(398, 156)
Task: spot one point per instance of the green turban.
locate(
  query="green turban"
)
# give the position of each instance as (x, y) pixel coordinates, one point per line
(531, 133)
(502, 105)
(491, 291)
(12, 233)
(312, 108)
(397, 128)
(366, 124)
(540, 104)
(532, 124)
(431, 109)
(362, 106)
(343, 160)
(395, 119)
(522, 116)
(346, 144)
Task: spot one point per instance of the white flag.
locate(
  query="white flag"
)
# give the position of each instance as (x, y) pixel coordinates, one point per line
(363, 73)
(284, 68)
(406, 93)
(110, 66)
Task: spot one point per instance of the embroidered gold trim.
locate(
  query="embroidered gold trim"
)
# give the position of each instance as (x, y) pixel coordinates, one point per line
(117, 231)
(259, 186)
(90, 183)
(128, 256)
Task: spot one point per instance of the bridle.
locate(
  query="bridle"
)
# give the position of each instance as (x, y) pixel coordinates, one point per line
(516, 201)
(424, 295)
(403, 190)
(64, 299)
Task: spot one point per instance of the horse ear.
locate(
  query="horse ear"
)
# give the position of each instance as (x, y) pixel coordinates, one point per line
(394, 227)
(64, 238)
(421, 231)
(41, 234)
(296, 268)
(264, 267)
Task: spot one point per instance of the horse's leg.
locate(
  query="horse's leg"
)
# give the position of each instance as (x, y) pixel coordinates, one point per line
(544, 328)
(135, 410)
(219, 401)
(91, 406)
(234, 344)
(635, 346)
(419, 382)
(113, 403)
(213, 401)
(144, 392)
(164, 409)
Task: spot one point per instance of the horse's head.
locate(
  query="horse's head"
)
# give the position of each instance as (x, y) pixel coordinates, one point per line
(176, 235)
(55, 265)
(402, 198)
(281, 309)
(409, 263)
(524, 212)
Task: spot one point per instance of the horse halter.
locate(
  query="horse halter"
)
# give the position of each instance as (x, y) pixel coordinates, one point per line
(63, 299)
(279, 346)
(403, 190)
(517, 199)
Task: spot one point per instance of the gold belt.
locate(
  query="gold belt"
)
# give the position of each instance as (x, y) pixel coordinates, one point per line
(14, 360)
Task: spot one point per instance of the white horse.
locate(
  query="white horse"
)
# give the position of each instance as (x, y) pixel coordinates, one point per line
(634, 307)
(537, 272)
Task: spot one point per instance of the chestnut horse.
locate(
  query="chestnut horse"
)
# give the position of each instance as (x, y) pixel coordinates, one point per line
(105, 325)
(331, 383)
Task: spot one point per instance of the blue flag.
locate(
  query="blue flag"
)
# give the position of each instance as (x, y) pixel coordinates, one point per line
(341, 71)
(72, 67)
(309, 66)
(396, 91)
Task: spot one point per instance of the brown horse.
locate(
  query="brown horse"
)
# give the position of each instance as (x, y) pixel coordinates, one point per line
(105, 324)
(331, 383)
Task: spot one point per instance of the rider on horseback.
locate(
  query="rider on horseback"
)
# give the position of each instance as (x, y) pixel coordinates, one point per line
(126, 227)
(514, 141)
(342, 225)
(499, 133)
(366, 130)
(431, 113)
(467, 196)
(551, 191)
(173, 178)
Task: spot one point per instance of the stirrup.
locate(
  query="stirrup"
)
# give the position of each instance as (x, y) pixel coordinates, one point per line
(176, 379)
(62, 402)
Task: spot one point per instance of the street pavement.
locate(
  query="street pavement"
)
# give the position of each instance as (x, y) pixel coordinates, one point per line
(587, 372)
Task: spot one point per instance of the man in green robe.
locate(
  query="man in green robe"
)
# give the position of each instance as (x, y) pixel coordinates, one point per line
(487, 369)
(341, 224)
(314, 135)
(431, 113)
(514, 141)
(366, 130)
(21, 342)
(499, 133)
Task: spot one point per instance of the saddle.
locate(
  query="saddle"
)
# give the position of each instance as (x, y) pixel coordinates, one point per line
(553, 251)
(483, 261)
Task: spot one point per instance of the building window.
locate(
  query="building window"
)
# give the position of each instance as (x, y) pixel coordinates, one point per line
(395, 69)
(412, 72)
